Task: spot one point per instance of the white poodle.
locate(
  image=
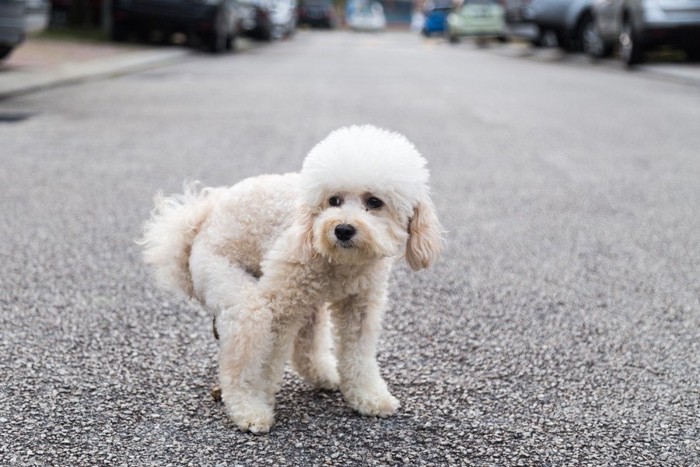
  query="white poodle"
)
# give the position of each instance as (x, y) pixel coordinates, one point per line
(276, 258)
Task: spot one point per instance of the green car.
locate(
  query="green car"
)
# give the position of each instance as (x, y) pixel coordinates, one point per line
(483, 19)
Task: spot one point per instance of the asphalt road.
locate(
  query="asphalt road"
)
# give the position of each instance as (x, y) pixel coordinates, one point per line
(561, 326)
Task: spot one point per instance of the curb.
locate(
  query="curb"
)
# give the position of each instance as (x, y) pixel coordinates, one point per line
(19, 82)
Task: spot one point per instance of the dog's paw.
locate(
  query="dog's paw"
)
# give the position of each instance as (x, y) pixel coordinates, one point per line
(329, 382)
(321, 374)
(256, 426)
(373, 404)
(252, 416)
(257, 423)
(325, 378)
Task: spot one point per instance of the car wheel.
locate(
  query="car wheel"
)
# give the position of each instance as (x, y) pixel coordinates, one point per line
(451, 38)
(536, 41)
(631, 51)
(5, 50)
(692, 54)
(217, 42)
(217, 39)
(591, 42)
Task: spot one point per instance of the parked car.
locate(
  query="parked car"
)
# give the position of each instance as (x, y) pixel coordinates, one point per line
(213, 23)
(483, 19)
(367, 17)
(565, 19)
(435, 14)
(11, 25)
(318, 14)
(256, 19)
(638, 26)
(284, 18)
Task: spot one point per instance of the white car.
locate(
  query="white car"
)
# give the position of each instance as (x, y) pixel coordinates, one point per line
(367, 17)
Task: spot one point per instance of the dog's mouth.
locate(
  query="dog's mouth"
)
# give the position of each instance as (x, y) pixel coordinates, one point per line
(347, 244)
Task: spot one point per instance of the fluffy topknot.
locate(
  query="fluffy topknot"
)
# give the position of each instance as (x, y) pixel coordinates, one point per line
(366, 158)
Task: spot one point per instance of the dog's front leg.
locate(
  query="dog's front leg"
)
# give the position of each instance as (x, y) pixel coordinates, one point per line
(313, 358)
(358, 324)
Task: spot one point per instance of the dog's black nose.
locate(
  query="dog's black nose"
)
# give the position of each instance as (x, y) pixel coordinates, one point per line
(344, 232)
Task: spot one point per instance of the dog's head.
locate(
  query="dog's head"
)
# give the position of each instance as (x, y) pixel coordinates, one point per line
(365, 196)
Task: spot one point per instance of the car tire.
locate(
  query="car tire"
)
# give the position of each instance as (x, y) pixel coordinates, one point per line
(230, 44)
(692, 54)
(564, 41)
(631, 49)
(218, 38)
(537, 40)
(217, 42)
(591, 41)
(5, 51)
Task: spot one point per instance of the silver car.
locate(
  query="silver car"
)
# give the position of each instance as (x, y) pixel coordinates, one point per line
(640, 25)
(564, 19)
(11, 25)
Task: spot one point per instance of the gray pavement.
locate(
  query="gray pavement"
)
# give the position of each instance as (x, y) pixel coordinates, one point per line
(560, 328)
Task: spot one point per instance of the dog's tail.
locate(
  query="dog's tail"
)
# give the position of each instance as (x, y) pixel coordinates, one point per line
(169, 233)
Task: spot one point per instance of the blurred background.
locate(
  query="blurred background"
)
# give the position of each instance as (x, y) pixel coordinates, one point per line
(599, 28)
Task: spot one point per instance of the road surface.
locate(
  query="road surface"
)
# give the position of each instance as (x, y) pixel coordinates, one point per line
(561, 327)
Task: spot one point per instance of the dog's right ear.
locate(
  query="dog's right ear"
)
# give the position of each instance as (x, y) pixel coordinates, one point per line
(302, 233)
(425, 236)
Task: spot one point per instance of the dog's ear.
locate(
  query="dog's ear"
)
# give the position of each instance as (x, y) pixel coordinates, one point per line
(302, 232)
(424, 236)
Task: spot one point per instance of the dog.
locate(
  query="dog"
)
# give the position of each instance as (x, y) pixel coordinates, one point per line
(298, 265)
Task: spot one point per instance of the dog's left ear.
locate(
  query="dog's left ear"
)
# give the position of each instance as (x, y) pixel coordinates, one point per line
(424, 236)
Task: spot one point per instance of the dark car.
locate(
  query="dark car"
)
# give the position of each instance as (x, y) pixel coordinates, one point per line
(317, 13)
(11, 25)
(256, 19)
(637, 26)
(567, 20)
(213, 23)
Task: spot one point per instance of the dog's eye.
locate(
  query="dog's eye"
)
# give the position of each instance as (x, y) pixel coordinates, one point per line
(335, 201)
(374, 203)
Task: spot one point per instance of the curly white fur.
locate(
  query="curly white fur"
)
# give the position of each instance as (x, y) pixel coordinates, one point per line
(277, 258)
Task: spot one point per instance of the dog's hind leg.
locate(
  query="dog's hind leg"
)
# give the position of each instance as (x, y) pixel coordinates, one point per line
(246, 348)
(313, 355)
(244, 324)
